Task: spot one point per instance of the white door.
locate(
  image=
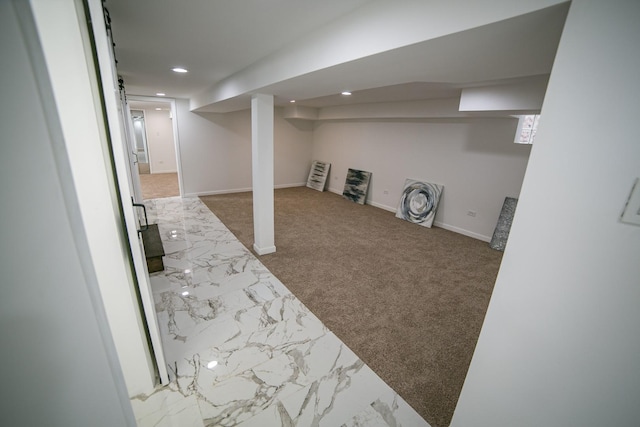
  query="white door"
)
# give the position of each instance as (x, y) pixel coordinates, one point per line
(119, 119)
(132, 155)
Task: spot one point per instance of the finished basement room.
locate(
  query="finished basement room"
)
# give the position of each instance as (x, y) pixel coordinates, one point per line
(338, 213)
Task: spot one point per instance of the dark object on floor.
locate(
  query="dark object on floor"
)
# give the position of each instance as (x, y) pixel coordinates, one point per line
(153, 248)
(356, 185)
(501, 233)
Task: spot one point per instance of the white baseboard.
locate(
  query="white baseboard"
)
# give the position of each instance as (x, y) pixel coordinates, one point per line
(462, 231)
(264, 251)
(381, 206)
(300, 184)
(213, 193)
(163, 171)
(239, 190)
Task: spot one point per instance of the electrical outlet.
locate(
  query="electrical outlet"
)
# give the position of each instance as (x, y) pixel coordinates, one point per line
(472, 213)
(385, 192)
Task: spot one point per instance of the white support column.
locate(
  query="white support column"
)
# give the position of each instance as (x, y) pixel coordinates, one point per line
(262, 166)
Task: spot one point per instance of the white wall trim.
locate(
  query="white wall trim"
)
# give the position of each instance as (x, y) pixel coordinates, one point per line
(335, 190)
(164, 171)
(176, 140)
(264, 251)
(216, 192)
(240, 190)
(381, 206)
(462, 231)
(297, 184)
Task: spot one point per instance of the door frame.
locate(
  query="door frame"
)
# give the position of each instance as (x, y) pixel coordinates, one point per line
(174, 124)
(143, 134)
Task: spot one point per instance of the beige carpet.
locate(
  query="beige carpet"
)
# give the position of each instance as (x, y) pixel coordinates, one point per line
(408, 300)
(144, 168)
(159, 185)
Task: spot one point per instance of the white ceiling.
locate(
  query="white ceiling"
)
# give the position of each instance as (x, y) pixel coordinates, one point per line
(215, 39)
(149, 105)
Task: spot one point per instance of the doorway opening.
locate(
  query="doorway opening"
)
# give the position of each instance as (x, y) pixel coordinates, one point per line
(141, 150)
(155, 147)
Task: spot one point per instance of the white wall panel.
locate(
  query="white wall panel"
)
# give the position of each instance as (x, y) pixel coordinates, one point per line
(560, 343)
(162, 151)
(475, 159)
(216, 151)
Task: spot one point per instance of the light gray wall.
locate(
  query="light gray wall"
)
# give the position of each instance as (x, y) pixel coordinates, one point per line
(59, 366)
(560, 343)
(215, 151)
(475, 159)
(162, 148)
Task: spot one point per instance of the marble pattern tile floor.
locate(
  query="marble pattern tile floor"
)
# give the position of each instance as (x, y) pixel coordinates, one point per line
(244, 351)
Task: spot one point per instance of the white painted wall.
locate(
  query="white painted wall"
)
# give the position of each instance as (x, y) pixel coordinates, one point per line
(59, 365)
(215, 151)
(560, 343)
(162, 148)
(525, 96)
(475, 159)
(65, 44)
(428, 108)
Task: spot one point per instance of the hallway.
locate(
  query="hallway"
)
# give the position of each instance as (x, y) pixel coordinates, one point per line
(241, 349)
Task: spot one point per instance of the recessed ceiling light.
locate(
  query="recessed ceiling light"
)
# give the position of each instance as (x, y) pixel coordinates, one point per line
(180, 70)
(346, 93)
(292, 101)
(158, 109)
(160, 94)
